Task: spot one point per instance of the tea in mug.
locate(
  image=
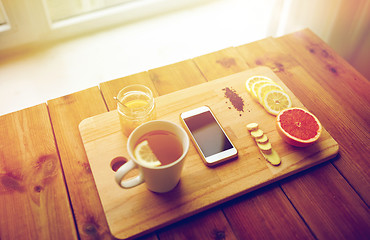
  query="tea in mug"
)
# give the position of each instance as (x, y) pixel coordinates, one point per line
(158, 148)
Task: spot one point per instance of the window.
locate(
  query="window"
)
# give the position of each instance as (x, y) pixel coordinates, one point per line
(3, 19)
(24, 21)
(64, 9)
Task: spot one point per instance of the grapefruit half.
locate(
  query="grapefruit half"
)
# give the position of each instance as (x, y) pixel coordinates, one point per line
(298, 127)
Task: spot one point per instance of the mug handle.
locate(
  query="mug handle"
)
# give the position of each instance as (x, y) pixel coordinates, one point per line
(123, 170)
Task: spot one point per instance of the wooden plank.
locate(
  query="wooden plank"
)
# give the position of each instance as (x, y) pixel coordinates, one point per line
(266, 214)
(176, 76)
(319, 100)
(244, 212)
(111, 88)
(344, 82)
(33, 195)
(350, 117)
(220, 64)
(210, 224)
(264, 53)
(328, 204)
(66, 113)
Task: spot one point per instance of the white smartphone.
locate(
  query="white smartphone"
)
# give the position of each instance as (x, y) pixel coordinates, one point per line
(207, 135)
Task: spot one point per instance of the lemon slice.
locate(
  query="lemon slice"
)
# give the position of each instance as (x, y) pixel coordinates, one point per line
(265, 89)
(275, 101)
(145, 155)
(251, 80)
(137, 103)
(256, 86)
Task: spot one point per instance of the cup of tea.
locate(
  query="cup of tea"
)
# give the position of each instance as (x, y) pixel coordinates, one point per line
(158, 148)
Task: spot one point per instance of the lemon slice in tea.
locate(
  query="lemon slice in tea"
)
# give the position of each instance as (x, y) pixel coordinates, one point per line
(275, 101)
(145, 155)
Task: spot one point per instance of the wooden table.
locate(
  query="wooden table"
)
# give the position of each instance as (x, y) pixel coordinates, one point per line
(47, 190)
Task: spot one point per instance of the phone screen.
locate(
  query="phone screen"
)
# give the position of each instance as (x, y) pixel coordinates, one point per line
(208, 134)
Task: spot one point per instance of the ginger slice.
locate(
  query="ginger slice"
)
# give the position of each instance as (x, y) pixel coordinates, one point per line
(272, 157)
(263, 144)
(252, 126)
(265, 147)
(263, 139)
(257, 133)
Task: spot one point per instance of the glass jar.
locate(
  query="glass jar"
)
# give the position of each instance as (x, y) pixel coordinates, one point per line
(136, 105)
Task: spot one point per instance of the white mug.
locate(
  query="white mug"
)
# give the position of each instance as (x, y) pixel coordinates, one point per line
(158, 179)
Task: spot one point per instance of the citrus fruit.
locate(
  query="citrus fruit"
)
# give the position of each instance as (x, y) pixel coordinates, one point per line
(256, 86)
(251, 80)
(298, 127)
(275, 101)
(265, 89)
(145, 155)
(137, 103)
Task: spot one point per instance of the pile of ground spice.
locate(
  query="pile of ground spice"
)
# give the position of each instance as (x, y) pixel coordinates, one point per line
(234, 98)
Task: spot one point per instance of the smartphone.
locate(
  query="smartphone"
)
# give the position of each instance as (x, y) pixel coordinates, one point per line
(207, 135)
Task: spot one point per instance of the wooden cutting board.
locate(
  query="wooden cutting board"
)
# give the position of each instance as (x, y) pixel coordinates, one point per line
(137, 211)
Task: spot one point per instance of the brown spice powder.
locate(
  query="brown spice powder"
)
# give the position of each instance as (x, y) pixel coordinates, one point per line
(234, 98)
